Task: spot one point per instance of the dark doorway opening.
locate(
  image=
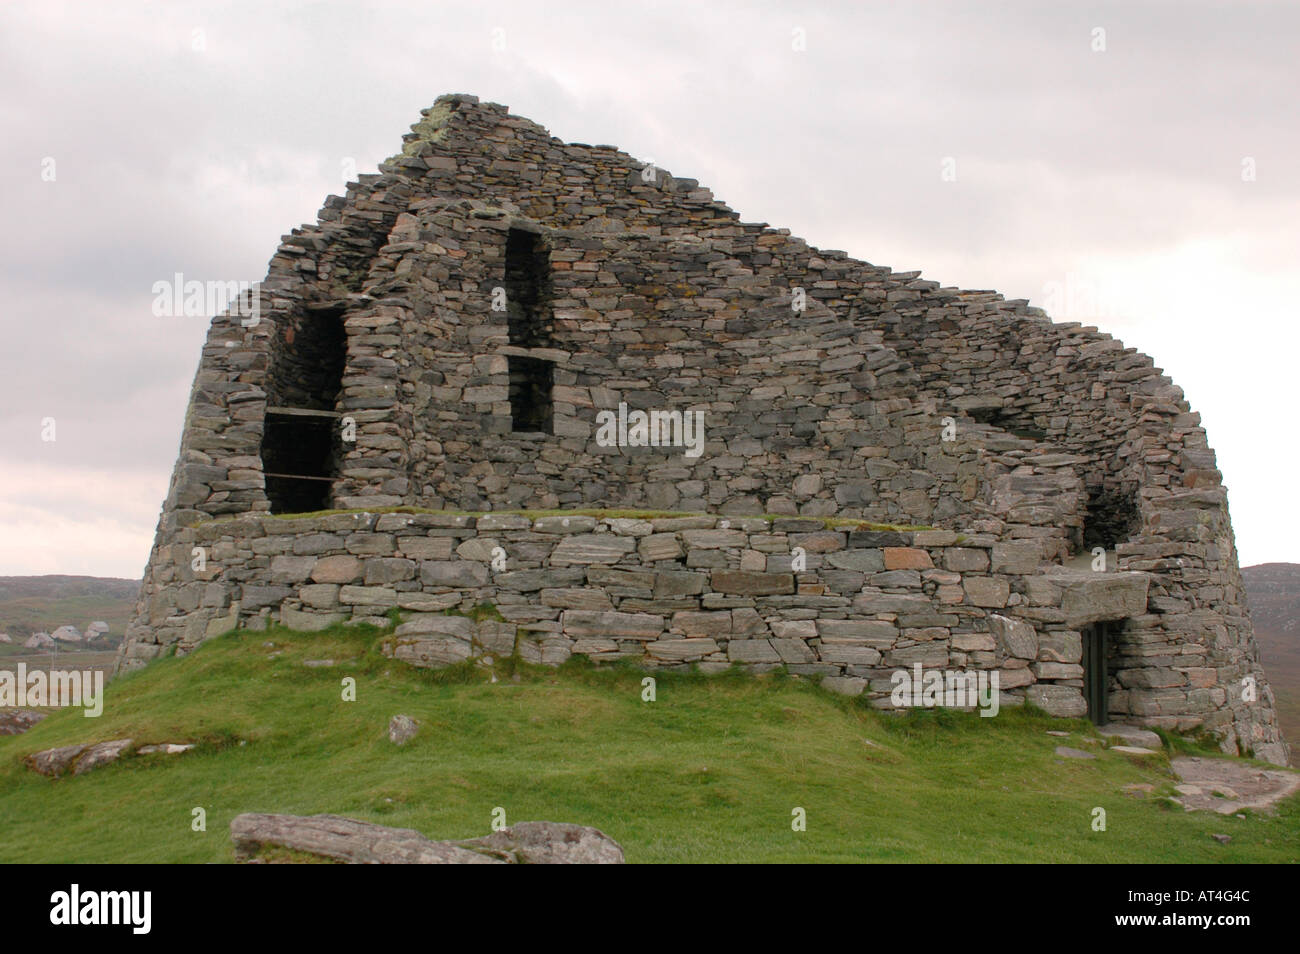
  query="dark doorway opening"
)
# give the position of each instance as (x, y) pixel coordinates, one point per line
(531, 383)
(1097, 644)
(298, 455)
(1008, 421)
(300, 435)
(528, 316)
(1111, 519)
(528, 289)
(310, 356)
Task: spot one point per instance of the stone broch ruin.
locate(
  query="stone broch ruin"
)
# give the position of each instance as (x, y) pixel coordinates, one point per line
(893, 472)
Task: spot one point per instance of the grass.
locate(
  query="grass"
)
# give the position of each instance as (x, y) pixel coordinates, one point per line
(709, 771)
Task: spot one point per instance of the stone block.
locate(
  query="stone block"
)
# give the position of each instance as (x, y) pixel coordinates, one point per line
(565, 524)
(376, 596)
(1057, 670)
(692, 623)
(987, 591)
(1015, 637)
(453, 573)
(1017, 556)
(673, 583)
(844, 685)
(1062, 701)
(743, 583)
(659, 546)
(714, 539)
(579, 597)
(587, 548)
(1061, 647)
(752, 651)
(576, 623)
(681, 650)
(337, 569)
(381, 571)
(1089, 597)
(291, 569)
(794, 628)
(860, 560)
(309, 622)
(965, 560)
(907, 558)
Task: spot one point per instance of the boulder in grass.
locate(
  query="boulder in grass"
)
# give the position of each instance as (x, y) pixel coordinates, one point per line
(78, 759)
(401, 729)
(348, 840)
(18, 721)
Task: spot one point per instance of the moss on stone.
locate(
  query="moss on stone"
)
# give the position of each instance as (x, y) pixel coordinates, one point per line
(831, 523)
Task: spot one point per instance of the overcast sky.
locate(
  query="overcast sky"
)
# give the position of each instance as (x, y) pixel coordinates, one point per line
(1144, 179)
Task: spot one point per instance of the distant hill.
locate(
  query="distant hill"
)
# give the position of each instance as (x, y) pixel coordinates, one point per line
(32, 604)
(1274, 593)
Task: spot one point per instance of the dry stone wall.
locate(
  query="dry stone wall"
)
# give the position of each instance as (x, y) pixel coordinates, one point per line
(852, 606)
(829, 387)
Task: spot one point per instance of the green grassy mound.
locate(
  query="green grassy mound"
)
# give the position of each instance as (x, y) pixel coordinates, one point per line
(710, 771)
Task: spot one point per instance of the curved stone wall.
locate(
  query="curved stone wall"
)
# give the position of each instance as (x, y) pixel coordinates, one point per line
(849, 604)
(828, 387)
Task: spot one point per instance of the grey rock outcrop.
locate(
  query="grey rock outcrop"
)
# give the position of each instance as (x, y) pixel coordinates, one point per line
(78, 758)
(357, 842)
(401, 729)
(1226, 787)
(18, 721)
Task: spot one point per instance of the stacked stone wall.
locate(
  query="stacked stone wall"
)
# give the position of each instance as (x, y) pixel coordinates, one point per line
(829, 387)
(850, 605)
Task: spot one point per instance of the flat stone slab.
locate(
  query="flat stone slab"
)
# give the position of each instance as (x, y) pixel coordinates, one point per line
(1088, 596)
(1131, 734)
(1239, 784)
(1066, 752)
(1133, 750)
(358, 842)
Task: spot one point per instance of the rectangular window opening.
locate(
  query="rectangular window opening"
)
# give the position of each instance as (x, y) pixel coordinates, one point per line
(301, 447)
(531, 383)
(528, 289)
